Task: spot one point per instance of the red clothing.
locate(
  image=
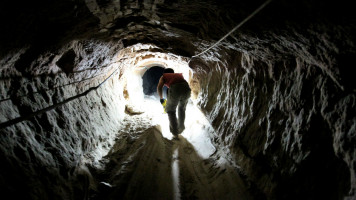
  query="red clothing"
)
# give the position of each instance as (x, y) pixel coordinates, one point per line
(172, 78)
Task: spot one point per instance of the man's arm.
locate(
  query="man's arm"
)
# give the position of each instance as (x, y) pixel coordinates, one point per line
(159, 87)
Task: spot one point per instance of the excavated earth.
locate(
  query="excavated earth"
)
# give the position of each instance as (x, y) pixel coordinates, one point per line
(272, 113)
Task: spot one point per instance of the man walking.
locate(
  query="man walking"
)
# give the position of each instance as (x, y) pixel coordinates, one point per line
(178, 95)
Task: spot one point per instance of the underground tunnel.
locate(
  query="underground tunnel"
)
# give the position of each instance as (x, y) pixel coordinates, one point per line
(150, 79)
(271, 113)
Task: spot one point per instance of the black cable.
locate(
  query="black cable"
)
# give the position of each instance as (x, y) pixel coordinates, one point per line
(48, 89)
(235, 28)
(20, 119)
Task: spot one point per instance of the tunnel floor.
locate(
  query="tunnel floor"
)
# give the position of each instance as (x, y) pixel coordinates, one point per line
(146, 163)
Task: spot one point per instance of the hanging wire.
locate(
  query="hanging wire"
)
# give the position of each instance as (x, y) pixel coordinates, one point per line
(23, 118)
(53, 88)
(20, 119)
(235, 28)
(64, 85)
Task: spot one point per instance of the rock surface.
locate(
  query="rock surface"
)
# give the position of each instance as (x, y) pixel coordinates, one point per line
(278, 96)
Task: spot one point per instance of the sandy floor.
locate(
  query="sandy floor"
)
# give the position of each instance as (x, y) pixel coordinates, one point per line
(147, 163)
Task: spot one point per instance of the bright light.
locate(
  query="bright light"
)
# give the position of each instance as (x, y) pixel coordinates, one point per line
(198, 130)
(175, 174)
(154, 110)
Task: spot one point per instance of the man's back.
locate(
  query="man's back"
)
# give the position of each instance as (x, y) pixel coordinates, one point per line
(172, 78)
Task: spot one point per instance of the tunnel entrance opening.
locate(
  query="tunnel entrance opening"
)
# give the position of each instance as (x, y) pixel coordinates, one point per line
(150, 80)
(140, 80)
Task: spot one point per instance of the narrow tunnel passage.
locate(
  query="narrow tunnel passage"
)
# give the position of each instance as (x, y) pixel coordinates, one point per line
(272, 113)
(146, 162)
(151, 79)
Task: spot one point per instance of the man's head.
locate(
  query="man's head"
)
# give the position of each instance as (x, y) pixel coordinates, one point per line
(168, 70)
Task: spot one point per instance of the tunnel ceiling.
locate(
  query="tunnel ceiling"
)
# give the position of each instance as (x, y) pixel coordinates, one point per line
(176, 26)
(283, 29)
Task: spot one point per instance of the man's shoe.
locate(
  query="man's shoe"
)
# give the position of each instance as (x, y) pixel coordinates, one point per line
(175, 137)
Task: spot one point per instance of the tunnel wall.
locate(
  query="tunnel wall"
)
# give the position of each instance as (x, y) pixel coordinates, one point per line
(286, 124)
(49, 156)
(274, 116)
